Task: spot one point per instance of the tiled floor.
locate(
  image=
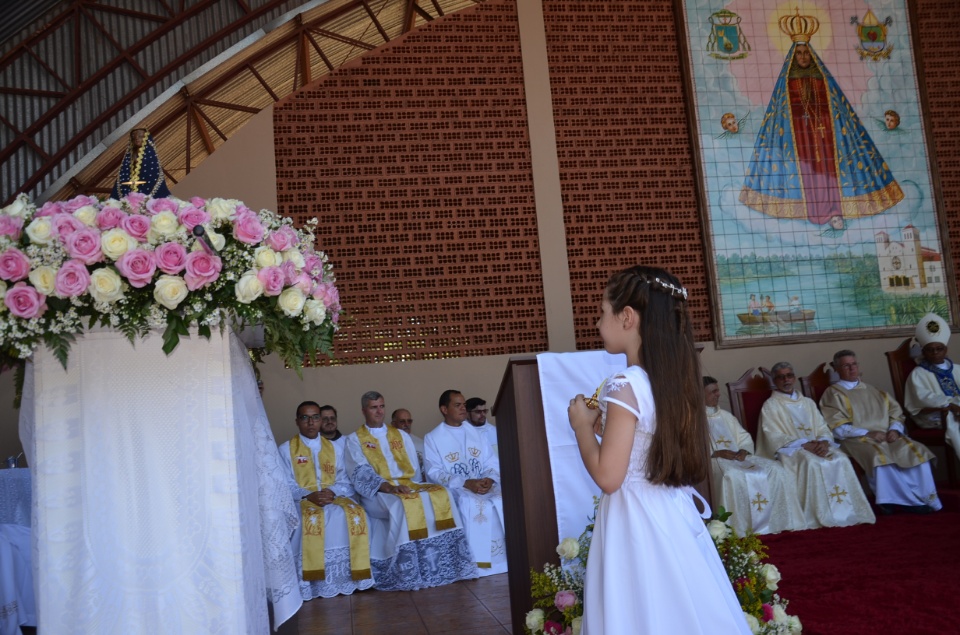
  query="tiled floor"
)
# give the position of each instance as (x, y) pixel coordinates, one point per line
(472, 607)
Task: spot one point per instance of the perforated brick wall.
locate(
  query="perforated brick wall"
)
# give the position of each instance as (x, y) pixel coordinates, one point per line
(940, 53)
(625, 159)
(416, 162)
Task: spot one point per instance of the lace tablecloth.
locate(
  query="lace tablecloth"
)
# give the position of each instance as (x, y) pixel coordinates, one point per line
(15, 497)
(159, 497)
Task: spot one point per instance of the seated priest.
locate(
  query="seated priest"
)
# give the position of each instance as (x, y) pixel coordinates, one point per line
(793, 432)
(934, 385)
(869, 425)
(458, 456)
(425, 540)
(333, 546)
(759, 492)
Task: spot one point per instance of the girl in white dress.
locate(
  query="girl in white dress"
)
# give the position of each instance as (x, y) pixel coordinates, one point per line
(653, 568)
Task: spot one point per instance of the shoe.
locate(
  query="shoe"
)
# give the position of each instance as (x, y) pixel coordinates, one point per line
(885, 509)
(918, 509)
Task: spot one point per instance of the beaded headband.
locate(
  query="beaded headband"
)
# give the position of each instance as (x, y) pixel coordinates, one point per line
(680, 293)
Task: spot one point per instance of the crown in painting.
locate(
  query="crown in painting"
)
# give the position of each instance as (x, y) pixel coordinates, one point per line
(800, 28)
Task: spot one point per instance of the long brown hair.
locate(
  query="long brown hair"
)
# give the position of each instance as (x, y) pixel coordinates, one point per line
(680, 451)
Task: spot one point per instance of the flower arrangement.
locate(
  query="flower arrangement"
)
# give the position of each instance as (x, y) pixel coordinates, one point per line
(754, 582)
(145, 263)
(558, 591)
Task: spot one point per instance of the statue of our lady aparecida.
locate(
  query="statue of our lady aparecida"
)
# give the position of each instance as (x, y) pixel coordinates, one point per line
(140, 170)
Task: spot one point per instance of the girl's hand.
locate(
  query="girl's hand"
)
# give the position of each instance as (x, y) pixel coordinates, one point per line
(581, 417)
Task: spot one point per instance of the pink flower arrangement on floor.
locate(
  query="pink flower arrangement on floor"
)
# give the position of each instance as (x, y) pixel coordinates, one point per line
(140, 263)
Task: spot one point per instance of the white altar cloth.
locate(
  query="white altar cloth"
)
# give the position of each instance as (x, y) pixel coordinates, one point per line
(159, 502)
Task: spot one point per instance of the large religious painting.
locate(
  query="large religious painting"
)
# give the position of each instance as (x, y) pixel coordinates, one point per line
(815, 169)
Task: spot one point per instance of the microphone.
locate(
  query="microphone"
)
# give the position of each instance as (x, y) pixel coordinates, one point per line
(201, 235)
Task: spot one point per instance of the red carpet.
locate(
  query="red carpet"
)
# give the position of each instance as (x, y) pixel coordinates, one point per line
(901, 575)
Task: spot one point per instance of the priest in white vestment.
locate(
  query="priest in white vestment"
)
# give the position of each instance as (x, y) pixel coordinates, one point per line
(477, 417)
(934, 385)
(458, 456)
(869, 425)
(425, 537)
(333, 542)
(759, 492)
(793, 432)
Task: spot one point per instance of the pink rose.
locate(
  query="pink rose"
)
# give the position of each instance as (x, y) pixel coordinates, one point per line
(202, 269)
(272, 280)
(190, 217)
(283, 239)
(84, 245)
(247, 228)
(24, 301)
(14, 265)
(289, 271)
(135, 200)
(157, 205)
(11, 226)
(49, 209)
(564, 599)
(137, 225)
(328, 293)
(138, 267)
(64, 225)
(313, 265)
(303, 282)
(109, 217)
(767, 613)
(72, 279)
(198, 202)
(171, 258)
(77, 202)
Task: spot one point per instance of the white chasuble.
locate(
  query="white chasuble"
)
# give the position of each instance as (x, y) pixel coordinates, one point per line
(924, 391)
(453, 455)
(442, 557)
(759, 493)
(830, 493)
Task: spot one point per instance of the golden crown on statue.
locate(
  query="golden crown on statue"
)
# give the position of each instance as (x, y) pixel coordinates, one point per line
(800, 28)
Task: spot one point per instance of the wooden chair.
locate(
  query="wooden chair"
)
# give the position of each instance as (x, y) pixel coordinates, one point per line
(747, 396)
(819, 380)
(901, 364)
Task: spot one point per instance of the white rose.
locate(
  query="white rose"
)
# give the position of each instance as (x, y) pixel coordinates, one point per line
(248, 288)
(294, 256)
(568, 549)
(266, 257)
(718, 530)
(575, 625)
(222, 209)
(163, 225)
(753, 623)
(535, 620)
(779, 615)
(217, 240)
(770, 575)
(87, 215)
(105, 285)
(43, 279)
(315, 311)
(16, 208)
(40, 231)
(116, 242)
(291, 301)
(795, 626)
(170, 291)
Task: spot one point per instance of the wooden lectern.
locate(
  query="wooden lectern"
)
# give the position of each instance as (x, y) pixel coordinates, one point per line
(528, 502)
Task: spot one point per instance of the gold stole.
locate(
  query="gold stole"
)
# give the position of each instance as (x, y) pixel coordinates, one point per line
(412, 503)
(314, 561)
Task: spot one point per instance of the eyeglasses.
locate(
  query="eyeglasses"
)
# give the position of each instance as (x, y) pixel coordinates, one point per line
(480, 411)
(315, 418)
(786, 376)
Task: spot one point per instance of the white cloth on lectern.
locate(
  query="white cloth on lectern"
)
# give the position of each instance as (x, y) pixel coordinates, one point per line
(563, 376)
(159, 497)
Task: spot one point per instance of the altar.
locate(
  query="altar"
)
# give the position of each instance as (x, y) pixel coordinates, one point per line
(158, 494)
